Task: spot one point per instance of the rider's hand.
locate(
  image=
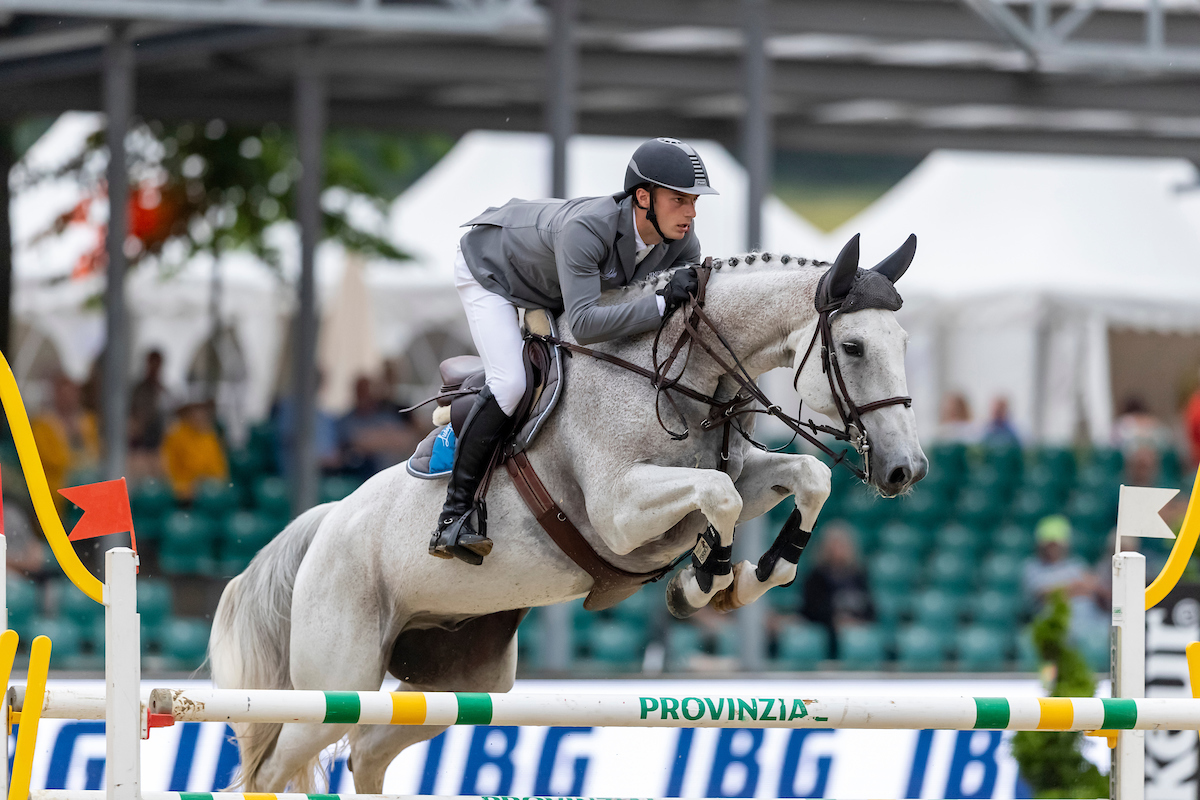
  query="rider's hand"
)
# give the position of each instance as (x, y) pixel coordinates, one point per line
(684, 284)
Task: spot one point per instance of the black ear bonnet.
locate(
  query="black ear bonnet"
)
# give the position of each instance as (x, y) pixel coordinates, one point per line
(847, 288)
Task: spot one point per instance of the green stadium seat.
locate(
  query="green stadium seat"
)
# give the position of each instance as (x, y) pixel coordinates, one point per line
(74, 605)
(937, 609)
(271, 497)
(948, 457)
(616, 644)
(1093, 512)
(861, 647)
(926, 507)
(215, 499)
(891, 607)
(530, 641)
(978, 508)
(1029, 505)
(684, 641)
(801, 646)
(1108, 459)
(896, 537)
(1001, 572)
(988, 478)
(951, 572)
(1028, 659)
(188, 545)
(155, 599)
(996, 609)
(1007, 460)
(1095, 646)
(1049, 480)
(66, 636)
(241, 536)
(920, 649)
(1013, 539)
(786, 599)
(728, 641)
(895, 572)
(262, 443)
(863, 507)
(185, 643)
(981, 648)
(150, 501)
(1058, 461)
(955, 538)
(23, 599)
(337, 488)
(639, 607)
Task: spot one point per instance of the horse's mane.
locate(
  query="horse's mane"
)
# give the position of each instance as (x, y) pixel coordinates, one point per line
(753, 261)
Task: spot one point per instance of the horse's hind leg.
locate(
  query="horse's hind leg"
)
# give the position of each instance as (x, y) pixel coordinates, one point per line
(479, 656)
(292, 764)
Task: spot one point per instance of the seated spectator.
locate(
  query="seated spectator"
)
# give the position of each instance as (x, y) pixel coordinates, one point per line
(325, 438)
(372, 435)
(1137, 429)
(999, 431)
(1142, 466)
(148, 406)
(192, 451)
(1054, 568)
(955, 424)
(836, 594)
(67, 437)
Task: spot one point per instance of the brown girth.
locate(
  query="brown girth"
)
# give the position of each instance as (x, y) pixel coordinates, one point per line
(610, 585)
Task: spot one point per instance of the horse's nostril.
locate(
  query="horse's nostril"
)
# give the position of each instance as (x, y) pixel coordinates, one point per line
(899, 476)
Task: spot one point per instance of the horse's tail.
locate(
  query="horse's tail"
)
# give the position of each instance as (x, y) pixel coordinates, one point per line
(251, 639)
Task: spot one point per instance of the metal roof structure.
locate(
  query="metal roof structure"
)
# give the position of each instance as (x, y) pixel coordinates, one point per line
(1113, 77)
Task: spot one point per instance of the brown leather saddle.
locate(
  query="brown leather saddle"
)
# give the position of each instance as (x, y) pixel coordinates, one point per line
(462, 379)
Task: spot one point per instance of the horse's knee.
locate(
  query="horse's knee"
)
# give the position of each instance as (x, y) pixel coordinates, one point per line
(813, 485)
(721, 504)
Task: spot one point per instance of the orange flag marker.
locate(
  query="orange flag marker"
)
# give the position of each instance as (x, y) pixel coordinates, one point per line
(105, 510)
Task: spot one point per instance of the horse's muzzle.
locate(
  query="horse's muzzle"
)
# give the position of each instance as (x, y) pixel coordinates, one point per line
(900, 476)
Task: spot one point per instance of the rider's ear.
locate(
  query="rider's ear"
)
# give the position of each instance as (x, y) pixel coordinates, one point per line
(894, 265)
(845, 267)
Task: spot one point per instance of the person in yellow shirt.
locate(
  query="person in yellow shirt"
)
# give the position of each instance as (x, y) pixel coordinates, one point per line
(67, 437)
(191, 450)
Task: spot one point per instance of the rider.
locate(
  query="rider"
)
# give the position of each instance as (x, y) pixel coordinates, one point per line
(560, 255)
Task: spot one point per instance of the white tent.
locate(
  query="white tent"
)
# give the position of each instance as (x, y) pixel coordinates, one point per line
(1026, 265)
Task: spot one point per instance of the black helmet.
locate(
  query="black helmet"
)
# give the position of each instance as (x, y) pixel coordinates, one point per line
(669, 163)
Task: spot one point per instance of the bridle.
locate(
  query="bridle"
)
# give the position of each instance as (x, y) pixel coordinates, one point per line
(725, 412)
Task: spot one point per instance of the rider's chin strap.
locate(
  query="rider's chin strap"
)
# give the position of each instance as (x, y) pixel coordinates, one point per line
(650, 215)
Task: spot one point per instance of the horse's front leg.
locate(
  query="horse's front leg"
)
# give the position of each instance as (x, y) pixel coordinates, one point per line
(649, 500)
(766, 479)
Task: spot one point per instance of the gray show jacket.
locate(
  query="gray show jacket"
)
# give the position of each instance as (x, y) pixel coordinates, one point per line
(561, 254)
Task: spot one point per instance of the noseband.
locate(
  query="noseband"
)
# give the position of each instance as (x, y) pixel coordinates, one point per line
(726, 412)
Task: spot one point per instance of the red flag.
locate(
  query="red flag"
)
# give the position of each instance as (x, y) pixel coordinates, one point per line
(105, 510)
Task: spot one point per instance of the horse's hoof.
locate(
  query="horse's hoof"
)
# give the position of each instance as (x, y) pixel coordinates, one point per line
(677, 602)
(726, 600)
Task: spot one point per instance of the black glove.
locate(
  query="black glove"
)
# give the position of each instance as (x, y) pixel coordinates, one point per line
(684, 284)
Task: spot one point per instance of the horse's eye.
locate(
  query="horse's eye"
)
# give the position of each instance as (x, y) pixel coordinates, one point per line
(854, 349)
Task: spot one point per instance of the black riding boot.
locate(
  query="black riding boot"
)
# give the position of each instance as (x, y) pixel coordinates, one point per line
(483, 430)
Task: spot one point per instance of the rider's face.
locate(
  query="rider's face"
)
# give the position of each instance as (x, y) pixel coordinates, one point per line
(675, 210)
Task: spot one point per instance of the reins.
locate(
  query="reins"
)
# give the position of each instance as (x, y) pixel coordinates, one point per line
(725, 412)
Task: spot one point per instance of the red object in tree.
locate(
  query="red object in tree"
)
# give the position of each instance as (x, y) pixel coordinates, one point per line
(105, 510)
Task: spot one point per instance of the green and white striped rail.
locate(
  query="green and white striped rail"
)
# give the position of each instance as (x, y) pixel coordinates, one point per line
(652, 711)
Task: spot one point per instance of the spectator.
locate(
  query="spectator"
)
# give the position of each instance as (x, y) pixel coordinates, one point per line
(1191, 425)
(25, 550)
(192, 451)
(1000, 431)
(1137, 429)
(325, 438)
(148, 405)
(955, 424)
(836, 594)
(1053, 568)
(67, 437)
(373, 436)
(1142, 466)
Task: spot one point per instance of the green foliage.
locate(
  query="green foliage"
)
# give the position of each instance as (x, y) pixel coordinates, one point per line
(214, 187)
(1052, 762)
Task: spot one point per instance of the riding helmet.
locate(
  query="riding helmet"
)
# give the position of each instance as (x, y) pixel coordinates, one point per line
(669, 163)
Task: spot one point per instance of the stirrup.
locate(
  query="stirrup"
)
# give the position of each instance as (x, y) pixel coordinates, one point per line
(458, 540)
(710, 558)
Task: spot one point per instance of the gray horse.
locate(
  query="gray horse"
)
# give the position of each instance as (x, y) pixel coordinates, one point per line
(347, 593)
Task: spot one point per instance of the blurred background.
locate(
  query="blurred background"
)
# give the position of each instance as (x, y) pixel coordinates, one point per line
(237, 332)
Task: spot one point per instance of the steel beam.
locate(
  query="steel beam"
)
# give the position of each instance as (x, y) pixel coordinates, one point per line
(562, 62)
(756, 123)
(118, 108)
(310, 121)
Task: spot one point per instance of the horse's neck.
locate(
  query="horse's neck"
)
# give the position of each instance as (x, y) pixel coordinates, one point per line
(758, 314)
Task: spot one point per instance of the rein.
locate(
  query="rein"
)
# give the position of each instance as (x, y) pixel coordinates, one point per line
(725, 412)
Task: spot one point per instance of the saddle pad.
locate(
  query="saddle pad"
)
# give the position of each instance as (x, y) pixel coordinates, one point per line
(541, 322)
(434, 456)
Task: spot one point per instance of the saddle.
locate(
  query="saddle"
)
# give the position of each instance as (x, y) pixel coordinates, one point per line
(462, 379)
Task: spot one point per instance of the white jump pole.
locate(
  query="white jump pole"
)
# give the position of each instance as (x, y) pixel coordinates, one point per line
(122, 675)
(1127, 779)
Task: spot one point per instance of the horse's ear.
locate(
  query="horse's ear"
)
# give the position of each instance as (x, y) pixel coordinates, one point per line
(845, 267)
(895, 265)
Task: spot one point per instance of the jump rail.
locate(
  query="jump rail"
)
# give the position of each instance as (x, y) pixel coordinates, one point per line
(643, 711)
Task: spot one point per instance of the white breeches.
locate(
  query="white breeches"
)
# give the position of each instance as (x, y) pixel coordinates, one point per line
(496, 329)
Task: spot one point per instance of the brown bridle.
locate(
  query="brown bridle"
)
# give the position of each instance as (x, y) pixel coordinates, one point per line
(725, 412)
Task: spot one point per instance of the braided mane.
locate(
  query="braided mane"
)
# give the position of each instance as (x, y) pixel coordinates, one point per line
(745, 262)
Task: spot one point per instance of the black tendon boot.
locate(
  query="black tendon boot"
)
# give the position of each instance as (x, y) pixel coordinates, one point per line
(483, 430)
